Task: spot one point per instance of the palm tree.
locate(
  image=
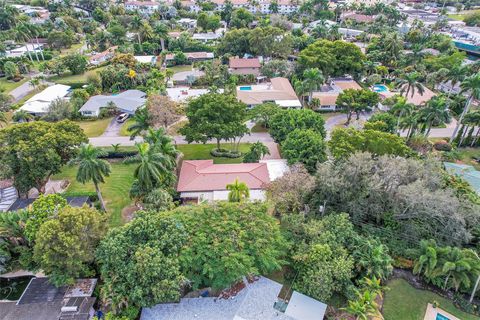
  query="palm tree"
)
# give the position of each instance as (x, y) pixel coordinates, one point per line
(238, 191)
(364, 306)
(135, 26)
(12, 226)
(455, 266)
(91, 168)
(312, 80)
(428, 260)
(22, 34)
(471, 85)
(154, 167)
(22, 116)
(409, 83)
(436, 111)
(393, 45)
(401, 108)
(141, 123)
(3, 118)
(161, 31)
(159, 140)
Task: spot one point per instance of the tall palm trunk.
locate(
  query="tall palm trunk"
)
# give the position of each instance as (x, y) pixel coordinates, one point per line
(464, 112)
(28, 51)
(475, 288)
(474, 141)
(100, 198)
(162, 44)
(464, 134)
(41, 51)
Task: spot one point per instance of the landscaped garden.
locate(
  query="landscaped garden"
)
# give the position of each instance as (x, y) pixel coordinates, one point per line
(404, 302)
(75, 79)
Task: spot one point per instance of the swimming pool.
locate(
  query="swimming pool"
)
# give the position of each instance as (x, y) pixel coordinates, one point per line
(380, 88)
(246, 88)
(441, 317)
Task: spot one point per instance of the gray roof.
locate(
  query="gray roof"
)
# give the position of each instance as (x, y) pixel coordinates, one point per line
(128, 101)
(255, 302)
(303, 307)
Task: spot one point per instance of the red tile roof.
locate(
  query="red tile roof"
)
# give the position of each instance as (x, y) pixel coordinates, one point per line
(203, 175)
(244, 63)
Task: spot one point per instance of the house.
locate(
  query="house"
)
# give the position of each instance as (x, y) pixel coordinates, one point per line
(202, 180)
(26, 50)
(244, 66)
(43, 301)
(182, 94)
(75, 202)
(102, 57)
(187, 77)
(328, 93)
(38, 15)
(466, 172)
(187, 23)
(8, 194)
(357, 17)
(152, 60)
(279, 90)
(262, 6)
(39, 103)
(259, 299)
(128, 101)
(191, 5)
(417, 98)
(191, 56)
(144, 7)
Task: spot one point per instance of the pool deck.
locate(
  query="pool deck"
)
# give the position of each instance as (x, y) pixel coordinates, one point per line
(431, 313)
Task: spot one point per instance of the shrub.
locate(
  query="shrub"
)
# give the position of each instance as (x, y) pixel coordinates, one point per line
(442, 145)
(420, 144)
(225, 153)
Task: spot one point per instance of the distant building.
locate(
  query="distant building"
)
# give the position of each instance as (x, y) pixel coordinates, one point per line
(263, 6)
(182, 94)
(146, 59)
(144, 7)
(244, 66)
(279, 91)
(39, 103)
(29, 49)
(191, 56)
(102, 57)
(43, 301)
(128, 101)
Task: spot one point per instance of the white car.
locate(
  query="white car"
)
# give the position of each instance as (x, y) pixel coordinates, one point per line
(122, 117)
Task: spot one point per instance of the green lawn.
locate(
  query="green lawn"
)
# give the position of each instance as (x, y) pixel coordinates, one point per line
(461, 15)
(181, 68)
(94, 128)
(8, 85)
(124, 129)
(403, 302)
(77, 79)
(258, 127)
(115, 190)
(466, 155)
(202, 151)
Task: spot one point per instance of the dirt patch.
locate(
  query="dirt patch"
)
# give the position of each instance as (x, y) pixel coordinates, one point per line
(128, 213)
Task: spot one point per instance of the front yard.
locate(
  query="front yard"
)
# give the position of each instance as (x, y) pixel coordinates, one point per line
(94, 128)
(76, 79)
(403, 302)
(8, 85)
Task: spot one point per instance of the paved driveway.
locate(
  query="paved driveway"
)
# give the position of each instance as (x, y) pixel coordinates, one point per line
(113, 129)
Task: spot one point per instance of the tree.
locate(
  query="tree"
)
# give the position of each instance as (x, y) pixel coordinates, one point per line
(11, 70)
(154, 169)
(227, 234)
(208, 21)
(35, 151)
(142, 121)
(257, 151)
(304, 146)
(345, 142)
(356, 101)
(372, 260)
(435, 112)
(409, 83)
(163, 111)
(286, 121)
(75, 63)
(22, 116)
(129, 258)
(270, 42)
(5, 101)
(63, 249)
(59, 109)
(277, 68)
(241, 18)
(158, 200)
(386, 122)
(333, 58)
(91, 168)
(470, 85)
(263, 112)
(364, 306)
(215, 116)
(288, 193)
(161, 30)
(238, 191)
(312, 80)
(472, 19)
(401, 108)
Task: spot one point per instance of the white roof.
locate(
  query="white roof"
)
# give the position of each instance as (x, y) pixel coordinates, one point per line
(302, 307)
(288, 103)
(146, 59)
(180, 94)
(276, 168)
(39, 103)
(20, 51)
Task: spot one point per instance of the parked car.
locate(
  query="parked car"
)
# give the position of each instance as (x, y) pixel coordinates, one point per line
(122, 117)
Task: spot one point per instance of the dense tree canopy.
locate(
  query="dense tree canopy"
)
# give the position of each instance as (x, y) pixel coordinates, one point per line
(34, 151)
(304, 146)
(284, 122)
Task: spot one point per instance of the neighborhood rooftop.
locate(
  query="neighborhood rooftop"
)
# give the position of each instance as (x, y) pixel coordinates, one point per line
(128, 101)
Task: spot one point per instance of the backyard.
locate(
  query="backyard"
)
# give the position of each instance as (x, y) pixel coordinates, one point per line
(466, 156)
(404, 302)
(76, 79)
